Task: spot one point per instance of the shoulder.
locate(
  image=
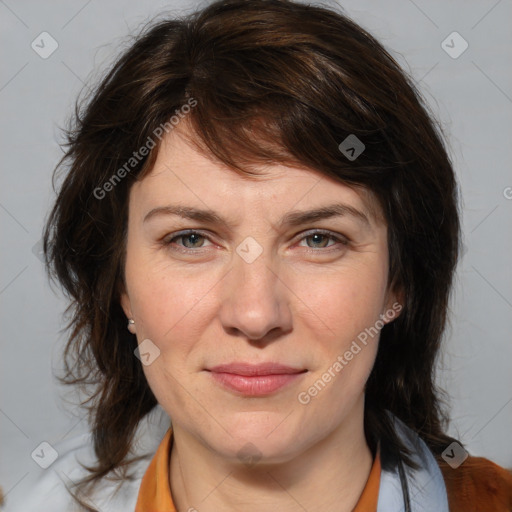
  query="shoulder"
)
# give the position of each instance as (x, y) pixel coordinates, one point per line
(47, 489)
(477, 484)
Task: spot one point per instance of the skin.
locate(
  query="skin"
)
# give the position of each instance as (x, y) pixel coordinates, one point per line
(301, 302)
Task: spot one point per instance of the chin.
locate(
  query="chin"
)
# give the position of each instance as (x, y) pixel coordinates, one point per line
(261, 436)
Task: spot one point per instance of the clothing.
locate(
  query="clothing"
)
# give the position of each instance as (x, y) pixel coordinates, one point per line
(404, 489)
(478, 485)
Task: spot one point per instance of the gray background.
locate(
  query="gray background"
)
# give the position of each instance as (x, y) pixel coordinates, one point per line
(471, 95)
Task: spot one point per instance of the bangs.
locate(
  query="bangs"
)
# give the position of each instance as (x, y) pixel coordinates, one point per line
(243, 145)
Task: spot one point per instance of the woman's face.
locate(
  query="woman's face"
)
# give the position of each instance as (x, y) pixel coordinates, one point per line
(291, 305)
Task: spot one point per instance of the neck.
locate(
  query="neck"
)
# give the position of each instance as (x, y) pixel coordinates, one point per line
(330, 476)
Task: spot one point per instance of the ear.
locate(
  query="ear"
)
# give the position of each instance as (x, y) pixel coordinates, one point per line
(126, 305)
(394, 305)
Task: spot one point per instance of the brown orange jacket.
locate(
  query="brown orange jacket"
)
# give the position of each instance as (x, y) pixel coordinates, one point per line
(478, 485)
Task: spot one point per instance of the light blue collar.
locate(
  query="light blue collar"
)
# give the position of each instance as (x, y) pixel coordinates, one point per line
(425, 486)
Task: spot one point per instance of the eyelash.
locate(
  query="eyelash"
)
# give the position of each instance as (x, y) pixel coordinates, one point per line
(168, 242)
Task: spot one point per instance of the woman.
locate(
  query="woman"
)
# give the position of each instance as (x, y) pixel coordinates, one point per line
(258, 232)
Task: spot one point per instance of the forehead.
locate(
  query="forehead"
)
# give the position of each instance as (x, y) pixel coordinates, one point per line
(181, 171)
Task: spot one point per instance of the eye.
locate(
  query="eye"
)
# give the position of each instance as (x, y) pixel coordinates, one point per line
(320, 238)
(190, 239)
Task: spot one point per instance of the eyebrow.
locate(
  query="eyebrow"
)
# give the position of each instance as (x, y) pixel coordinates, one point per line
(291, 219)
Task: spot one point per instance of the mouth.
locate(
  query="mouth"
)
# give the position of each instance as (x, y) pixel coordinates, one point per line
(255, 380)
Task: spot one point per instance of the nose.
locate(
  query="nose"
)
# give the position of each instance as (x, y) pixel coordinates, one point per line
(255, 301)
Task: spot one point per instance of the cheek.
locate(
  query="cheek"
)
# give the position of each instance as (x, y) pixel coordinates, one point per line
(347, 305)
(341, 305)
(169, 312)
(346, 344)
(163, 304)
(172, 306)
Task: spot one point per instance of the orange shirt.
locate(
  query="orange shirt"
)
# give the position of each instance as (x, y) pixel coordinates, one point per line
(155, 493)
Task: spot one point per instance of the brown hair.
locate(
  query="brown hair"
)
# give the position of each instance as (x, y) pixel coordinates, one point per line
(273, 81)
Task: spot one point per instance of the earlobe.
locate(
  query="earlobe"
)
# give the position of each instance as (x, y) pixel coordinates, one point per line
(131, 325)
(394, 305)
(125, 304)
(399, 302)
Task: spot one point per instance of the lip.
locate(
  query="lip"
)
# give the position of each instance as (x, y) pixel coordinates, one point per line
(255, 379)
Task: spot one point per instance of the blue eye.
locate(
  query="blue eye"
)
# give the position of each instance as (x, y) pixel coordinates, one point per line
(320, 237)
(190, 236)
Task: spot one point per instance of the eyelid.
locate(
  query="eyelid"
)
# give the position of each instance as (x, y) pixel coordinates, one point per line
(317, 231)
